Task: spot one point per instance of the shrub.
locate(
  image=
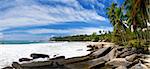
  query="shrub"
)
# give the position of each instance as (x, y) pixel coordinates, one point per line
(136, 43)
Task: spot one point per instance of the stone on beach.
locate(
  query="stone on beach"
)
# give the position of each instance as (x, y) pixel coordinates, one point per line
(16, 65)
(97, 62)
(131, 58)
(127, 53)
(36, 55)
(147, 64)
(24, 59)
(101, 52)
(59, 60)
(139, 66)
(8, 67)
(39, 65)
(118, 62)
(58, 57)
(104, 58)
(121, 67)
(76, 59)
(112, 54)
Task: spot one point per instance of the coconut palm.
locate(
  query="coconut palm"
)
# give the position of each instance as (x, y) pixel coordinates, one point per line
(116, 16)
(111, 13)
(136, 12)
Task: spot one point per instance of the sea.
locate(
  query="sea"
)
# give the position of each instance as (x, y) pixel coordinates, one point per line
(19, 42)
(11, 51)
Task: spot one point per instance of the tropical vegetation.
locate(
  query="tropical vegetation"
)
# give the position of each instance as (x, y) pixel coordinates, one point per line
(130, 22)
(93, 37)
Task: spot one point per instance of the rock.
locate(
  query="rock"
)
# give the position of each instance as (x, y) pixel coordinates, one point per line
(133, 63)
(121, 67)
(120, 48)
(59, 58)
(118, 62)
(97, 62)
(90, 49)
(76, 59)
(95, 65)
(121, 51)
(51, 64)
(35, 56)
(146, 56)
(16, 65)
(131, 58)
(139, 66)
(112, 54)
(37, 64)
(24, 59)
(8, 67)
(89, 46)
(85, 63)
(127, 53)
(146, 59)
(147, 64)
(99, 46)
(101, 52)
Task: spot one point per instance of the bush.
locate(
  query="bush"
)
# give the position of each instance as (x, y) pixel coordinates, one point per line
(95, 39)
(136, 43)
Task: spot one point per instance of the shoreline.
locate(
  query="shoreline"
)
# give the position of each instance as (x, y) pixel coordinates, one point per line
(11, 53)
(109, 56)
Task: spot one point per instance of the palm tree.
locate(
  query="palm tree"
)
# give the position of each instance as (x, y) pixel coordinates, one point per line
(136, 12)
(115, 14)
(137, 18)
(139, 14)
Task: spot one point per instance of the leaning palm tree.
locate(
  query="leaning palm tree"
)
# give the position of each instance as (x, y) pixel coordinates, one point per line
(115, 14)
(111, 13)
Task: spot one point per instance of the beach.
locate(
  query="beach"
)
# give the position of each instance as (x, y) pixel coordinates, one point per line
(12, 52)
(73, 55)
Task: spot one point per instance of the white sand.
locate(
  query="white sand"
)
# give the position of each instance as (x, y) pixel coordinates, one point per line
(12, 52)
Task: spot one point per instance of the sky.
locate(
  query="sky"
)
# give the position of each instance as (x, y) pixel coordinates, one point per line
(42, 19)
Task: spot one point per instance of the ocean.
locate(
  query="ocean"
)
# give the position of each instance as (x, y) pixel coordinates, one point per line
(12, 52)
(18, 42)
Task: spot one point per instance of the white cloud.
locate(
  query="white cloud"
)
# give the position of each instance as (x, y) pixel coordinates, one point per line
(26, 13)
(19, 13)
(42, 31)
(77, 31)
(32, 33)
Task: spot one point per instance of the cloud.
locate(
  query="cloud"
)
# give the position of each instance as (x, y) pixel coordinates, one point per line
(15, 15)
(76, 31)
(30, 13)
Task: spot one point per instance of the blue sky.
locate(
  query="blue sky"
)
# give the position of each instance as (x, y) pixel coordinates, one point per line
(42, 19)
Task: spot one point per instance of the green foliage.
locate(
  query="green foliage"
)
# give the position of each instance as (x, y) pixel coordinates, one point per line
(72, 38)
(136, 17)
(136, 43)
(93, 37)
(107, 37)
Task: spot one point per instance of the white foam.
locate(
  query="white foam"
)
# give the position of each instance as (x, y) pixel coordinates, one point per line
(12, 52)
